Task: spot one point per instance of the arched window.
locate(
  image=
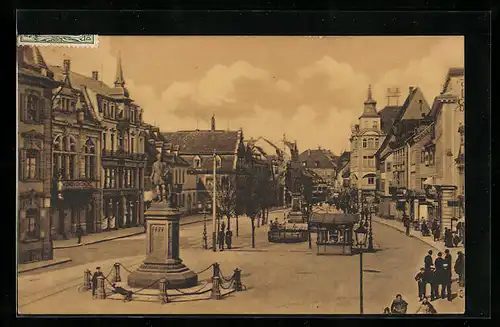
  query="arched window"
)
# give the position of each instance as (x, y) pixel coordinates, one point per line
(370, 143)
(376, 143)
(197, 162)
(364, 143)
(89, 157)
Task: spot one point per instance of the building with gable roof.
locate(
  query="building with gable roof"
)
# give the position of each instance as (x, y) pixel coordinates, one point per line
(322, 162)
(120, 148)
(35, 85)
(394, 161)
(201, 147)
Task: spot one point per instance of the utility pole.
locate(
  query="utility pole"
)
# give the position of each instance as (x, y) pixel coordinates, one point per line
(361, 282)
(214, 205)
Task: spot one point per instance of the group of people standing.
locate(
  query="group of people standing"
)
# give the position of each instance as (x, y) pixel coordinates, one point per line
(224, 237)
(438, 274)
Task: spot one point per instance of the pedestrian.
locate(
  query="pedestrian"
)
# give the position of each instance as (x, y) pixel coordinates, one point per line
(437, 234)
(447, 274)
(459, 268)
(420, 279)
(440, 274)
(222, 236)
(399, 306)
(94, 279)
(426, 307)
(448, 238)
(434, 229)
(79, 234)
(424, 228)
(127, 295)
(229, 236)
(434, 281)
(428, 263)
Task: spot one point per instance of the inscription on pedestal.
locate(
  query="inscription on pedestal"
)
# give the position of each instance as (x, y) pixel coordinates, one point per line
(157, 240)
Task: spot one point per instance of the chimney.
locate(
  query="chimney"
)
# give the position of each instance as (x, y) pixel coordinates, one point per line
(95, 75)
(66, 65)
(410, 89)
(309, 153)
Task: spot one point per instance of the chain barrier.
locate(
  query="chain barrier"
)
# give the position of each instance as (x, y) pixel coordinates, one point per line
(121, 264)
(198, 273)
(221, 275)
(197, 292)
(228, 286)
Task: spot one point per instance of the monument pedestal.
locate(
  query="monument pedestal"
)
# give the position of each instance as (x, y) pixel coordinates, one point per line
(296, 216)
(162, 252)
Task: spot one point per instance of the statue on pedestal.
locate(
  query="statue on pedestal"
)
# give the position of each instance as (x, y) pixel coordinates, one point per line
(161, 178)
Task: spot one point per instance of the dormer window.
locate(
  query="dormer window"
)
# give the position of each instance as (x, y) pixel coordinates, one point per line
(197, 162)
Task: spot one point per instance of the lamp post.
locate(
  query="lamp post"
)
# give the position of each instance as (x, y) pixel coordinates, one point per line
(361, 234)
(214, 205)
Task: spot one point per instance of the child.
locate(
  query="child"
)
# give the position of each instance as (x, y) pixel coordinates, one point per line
(419, 278)
(426, 307)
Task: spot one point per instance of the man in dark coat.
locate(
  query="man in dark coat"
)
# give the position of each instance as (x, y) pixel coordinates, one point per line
(440, 273)
(437, 234)
(229, 236)
(447, 275)
(448, 238)
(222, 236)
(459, 268)
(97, 273)
(399, 306)
(420, 279)
(434, 228)
(428, 263)
(433, 280)
(79, 234)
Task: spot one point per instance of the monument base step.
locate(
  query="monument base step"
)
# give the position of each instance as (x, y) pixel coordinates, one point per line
(180, 277)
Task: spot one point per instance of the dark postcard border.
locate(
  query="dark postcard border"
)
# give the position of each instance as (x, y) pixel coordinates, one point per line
(475, 26)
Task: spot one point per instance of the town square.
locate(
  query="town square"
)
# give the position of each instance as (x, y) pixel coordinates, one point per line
(156, 176)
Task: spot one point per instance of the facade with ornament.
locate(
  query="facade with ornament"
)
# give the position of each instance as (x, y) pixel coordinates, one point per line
(99, 154)
(35, 85)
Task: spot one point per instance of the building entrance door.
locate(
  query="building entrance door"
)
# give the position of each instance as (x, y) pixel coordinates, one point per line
(89, 217)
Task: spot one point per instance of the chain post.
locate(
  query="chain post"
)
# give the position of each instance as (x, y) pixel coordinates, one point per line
(116, 277)
(237, 280)
(216, 288)
(87, 276)
(100, 292)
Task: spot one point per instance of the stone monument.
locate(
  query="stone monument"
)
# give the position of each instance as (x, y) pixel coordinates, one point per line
(296, 215)
(162, 239)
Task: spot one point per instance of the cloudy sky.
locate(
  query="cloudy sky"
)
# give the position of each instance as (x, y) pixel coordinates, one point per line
(310, 88)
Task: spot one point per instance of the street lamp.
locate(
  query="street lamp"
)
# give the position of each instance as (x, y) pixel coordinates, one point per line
(361, 234)
(202, 207)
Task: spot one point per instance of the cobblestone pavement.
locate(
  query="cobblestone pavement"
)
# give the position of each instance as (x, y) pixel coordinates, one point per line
(280, 278)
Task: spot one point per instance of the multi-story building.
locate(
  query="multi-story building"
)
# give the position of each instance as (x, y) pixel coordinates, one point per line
(366, 137)
(322, 162)
(448, 184)
(35, 85)
(76, 162)
(200, 147)
(393, 156)
(121, 147)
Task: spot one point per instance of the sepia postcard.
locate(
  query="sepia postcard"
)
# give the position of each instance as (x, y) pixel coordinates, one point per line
(240, 175)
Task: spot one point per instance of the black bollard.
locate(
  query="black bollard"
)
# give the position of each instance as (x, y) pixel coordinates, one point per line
(87, 276)
(216, 288)
(216, 270)
(237, 280)
(116, 277)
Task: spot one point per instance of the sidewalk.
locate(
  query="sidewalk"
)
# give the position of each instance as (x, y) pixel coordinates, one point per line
(398, 225)
(25, 267)
(116, 234)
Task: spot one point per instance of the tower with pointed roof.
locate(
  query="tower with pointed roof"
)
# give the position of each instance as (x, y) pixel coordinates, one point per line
(120, 90)
(366, 137)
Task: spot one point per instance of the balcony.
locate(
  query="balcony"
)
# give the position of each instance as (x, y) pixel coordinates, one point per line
(81, 184)
(121, 154)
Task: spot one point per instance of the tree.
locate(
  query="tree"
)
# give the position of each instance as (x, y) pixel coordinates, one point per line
(226, 199)
(253, 198)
